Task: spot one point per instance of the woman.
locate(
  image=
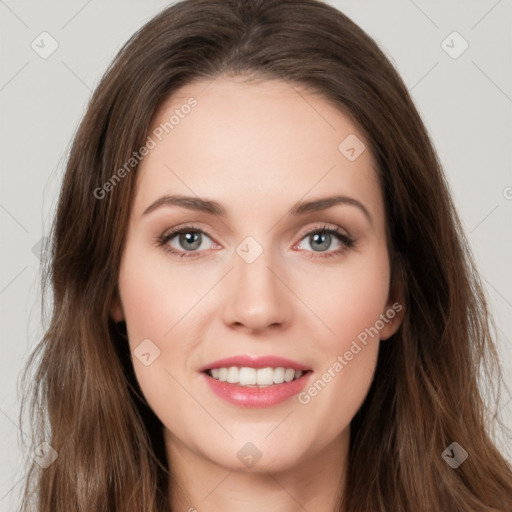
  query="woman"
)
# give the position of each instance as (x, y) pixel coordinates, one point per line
(260, 284)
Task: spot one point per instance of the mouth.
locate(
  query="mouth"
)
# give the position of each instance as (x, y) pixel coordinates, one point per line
(247, 381)
(246, 376)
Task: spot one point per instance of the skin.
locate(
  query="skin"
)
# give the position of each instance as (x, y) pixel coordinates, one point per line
(256, 148)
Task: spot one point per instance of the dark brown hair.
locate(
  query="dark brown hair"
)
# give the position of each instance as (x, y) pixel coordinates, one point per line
(85, 400)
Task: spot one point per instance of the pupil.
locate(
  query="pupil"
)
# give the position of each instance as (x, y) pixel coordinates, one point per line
(323, 244)
(191, 238)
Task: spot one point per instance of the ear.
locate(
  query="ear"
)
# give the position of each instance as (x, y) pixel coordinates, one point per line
(394, 313)
(392, 318)
(116, 308)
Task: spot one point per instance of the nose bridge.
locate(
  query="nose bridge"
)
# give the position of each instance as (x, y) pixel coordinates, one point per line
(258, 297)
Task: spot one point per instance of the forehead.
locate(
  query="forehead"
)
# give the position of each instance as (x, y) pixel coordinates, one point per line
(255, 142)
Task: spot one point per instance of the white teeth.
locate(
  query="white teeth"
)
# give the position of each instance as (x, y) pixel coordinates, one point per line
(289, 375)
(246, 376)
(279, 375)
(233, 374)
(265, 376)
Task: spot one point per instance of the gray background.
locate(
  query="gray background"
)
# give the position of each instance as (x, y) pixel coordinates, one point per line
(465, 102)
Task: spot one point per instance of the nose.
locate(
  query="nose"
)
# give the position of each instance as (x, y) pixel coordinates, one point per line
(256, 296)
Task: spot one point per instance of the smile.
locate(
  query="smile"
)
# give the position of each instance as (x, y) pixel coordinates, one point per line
(255, 377)
(247, 381)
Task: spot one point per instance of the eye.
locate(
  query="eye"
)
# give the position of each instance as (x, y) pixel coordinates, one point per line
(320, 240)
(188, 239)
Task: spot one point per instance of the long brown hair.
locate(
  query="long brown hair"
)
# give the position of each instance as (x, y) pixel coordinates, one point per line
(85, 400)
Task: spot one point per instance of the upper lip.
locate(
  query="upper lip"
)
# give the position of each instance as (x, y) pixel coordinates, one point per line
(254, 362)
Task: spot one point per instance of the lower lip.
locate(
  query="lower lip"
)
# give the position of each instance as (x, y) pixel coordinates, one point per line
(258, 396)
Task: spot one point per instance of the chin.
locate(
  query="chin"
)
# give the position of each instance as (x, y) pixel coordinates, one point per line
(257, 457)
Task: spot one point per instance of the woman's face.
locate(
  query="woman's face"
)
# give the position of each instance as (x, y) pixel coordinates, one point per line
(256, 277)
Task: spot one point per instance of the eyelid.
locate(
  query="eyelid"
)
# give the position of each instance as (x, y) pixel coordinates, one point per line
(325, 226)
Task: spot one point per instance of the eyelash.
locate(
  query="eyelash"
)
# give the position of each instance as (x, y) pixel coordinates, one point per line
(162, 241)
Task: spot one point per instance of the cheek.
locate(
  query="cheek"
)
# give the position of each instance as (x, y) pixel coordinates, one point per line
(153, 302)
(349, 300)
(152, 306)
(350, 307)
(160, 313)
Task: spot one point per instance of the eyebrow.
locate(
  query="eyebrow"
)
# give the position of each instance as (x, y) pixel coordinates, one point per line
(215, 208)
